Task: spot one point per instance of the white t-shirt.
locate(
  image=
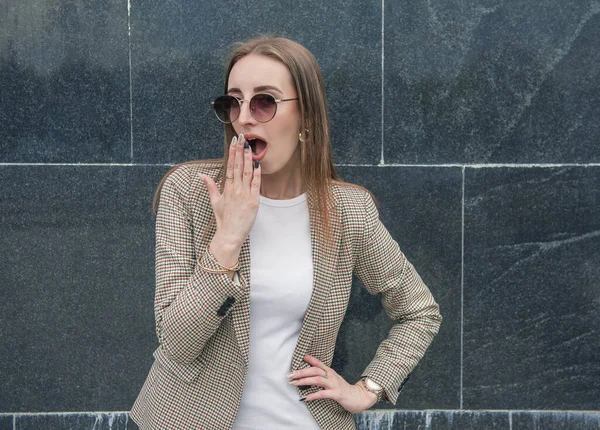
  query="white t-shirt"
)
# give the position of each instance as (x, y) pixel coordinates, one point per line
(281, 280)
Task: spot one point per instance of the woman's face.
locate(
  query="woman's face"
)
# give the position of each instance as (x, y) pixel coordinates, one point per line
(257, 74)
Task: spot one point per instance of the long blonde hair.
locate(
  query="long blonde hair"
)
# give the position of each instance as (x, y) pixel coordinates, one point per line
(317, 168)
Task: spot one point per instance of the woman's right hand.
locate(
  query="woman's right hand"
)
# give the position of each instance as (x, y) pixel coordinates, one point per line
(236, 208)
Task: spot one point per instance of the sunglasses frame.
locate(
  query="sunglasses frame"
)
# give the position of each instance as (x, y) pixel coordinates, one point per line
(240, 101)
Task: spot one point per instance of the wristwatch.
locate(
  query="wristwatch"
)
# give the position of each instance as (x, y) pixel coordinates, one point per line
(373, 387)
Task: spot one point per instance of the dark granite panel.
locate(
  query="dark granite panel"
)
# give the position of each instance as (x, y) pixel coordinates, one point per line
(77, 277)
(531, 291)
(64, 82)
(487, 81)
(568, 420)
(390, 420)
(468, 420)
(367, 420)
(421, 207)
(178, 58)
(6, 422)
(77, 421)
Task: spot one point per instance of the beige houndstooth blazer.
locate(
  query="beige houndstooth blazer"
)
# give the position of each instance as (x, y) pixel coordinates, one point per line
(202, 319)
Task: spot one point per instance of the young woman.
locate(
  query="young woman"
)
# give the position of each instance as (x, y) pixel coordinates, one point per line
(254, 261)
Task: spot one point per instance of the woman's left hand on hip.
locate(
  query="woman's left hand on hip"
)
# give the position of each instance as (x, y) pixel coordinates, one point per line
(354, 398)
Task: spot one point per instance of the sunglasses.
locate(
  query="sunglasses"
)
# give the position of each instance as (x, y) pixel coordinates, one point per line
(262, 107)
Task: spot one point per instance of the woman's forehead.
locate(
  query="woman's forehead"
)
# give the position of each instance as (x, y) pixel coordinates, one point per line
(255, 73)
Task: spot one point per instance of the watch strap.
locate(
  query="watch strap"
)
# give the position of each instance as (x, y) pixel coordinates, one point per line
(378, 392)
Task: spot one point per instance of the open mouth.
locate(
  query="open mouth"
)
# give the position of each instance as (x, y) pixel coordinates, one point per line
(258, 147)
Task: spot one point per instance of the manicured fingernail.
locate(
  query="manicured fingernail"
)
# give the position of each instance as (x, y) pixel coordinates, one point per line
(291, 382)
(233, 141)
(302, 399)
(256, 164)
(290, 375)
(240, 138)
(246, 146)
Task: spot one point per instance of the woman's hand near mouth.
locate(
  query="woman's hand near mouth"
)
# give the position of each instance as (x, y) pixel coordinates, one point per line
(236, 208)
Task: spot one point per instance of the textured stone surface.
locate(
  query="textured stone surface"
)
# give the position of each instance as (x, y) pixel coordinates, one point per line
(6, 422)
(178, 63)
(76, 322)
(467, 420)
(391, 420)
(64, 82)
(421, 207)
(483, 81)
(531, 292)
(555, 420)
(78, 421)
(368, 420)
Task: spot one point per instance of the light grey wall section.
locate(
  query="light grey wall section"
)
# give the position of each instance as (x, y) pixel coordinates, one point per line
(448, 111)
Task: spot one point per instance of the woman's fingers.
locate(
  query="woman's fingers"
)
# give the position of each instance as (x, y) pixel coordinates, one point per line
(318, 374)
(318, 381)
(230, 162)
(247, 166)
(255, 188)
(315, 362)
(238, 164)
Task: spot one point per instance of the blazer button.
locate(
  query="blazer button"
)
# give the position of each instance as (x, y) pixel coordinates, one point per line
(227, 304)
(404, 382)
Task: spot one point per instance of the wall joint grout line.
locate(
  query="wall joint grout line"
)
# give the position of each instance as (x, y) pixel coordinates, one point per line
(382, 160)
(130, 82)
(462, 166)
(462, 285)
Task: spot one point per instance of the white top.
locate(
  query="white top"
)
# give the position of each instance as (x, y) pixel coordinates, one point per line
(281, 279)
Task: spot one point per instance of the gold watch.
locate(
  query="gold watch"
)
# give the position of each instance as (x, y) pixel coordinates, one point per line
(373, 387)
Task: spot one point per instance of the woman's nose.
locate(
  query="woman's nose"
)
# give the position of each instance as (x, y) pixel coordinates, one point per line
(245, 114)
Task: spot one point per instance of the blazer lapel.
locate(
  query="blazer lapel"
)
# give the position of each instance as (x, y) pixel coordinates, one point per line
(325, 255)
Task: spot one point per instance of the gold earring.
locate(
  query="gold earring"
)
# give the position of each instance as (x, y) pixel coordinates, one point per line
(300, 138)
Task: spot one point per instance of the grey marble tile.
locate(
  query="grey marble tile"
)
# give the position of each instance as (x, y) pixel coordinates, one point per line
(483, 81)
(555, 420)
(531, 309)
(77, 277)
(421, 207)
(76, 421)
(390, 420)
(468, 420)
(178, 60)
(6, 422)
(64, 82)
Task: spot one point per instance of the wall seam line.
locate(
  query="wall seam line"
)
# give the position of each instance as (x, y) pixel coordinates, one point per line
(130, 82)
(498, 411)
(382, 160)
(462, 286)
(471, 166)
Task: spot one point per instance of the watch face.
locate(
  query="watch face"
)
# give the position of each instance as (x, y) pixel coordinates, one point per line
(372, 385)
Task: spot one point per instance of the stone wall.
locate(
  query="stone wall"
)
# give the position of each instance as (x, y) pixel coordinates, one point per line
(475, 124)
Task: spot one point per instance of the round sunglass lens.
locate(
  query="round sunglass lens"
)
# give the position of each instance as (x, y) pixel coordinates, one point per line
(263, 107)
(227, 108)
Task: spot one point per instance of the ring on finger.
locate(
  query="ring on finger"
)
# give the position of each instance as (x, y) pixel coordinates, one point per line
(229, 177)
(325, 376)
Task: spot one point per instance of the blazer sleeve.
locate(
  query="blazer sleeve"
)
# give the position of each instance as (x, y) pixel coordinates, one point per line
(383, 269)
(189, 303)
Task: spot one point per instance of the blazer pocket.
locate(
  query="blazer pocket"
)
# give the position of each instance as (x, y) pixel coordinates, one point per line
(187, 372)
